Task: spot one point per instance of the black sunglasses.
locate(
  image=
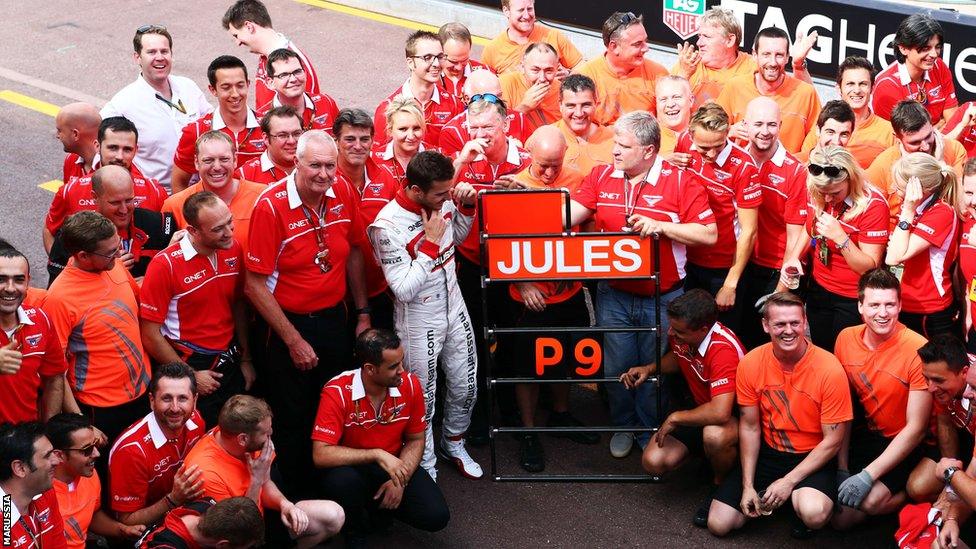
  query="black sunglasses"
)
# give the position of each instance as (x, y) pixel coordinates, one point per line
(625, 20)
(147, 28)
(86, 451)
(487, 97)
(830, 171)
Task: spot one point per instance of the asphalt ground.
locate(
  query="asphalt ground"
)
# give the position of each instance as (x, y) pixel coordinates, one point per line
(52, 53)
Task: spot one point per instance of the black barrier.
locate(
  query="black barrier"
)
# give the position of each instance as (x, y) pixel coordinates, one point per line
(863, 28)
(491, 329)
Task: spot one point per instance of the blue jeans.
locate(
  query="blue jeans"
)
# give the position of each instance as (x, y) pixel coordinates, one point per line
(623, 350)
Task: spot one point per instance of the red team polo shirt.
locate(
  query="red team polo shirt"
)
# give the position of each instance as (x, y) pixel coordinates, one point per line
(784, 200)
(456, 88)
(76, 195)
(319, 114)
(260, 170)
(285, 247)
(385, 159)
(455, 133)
(43, 523)
(927, 279)
(74, 166)
(42, 356)
(668, 194)
(731, 182)
(346, 416)
(379, 188)
(264, 90)
(868, 227)
(709, 370)
(250, 141)
(441, 108)
(482, 175)
(893, 85)
(968, 135)
(192, 297)
(143, 462)
(967, 263)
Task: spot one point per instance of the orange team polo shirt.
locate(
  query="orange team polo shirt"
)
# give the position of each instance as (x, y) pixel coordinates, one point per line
(882, 377)
(707, 84)
(618, 95)
(569, 179)
(582, 155)
(798, 103)
(96, 316)
(869, 140)
(514, 86)
(224, 476)
(78, 502)
(794, 406)
(503, 55)
(879, 173)
(240, 206)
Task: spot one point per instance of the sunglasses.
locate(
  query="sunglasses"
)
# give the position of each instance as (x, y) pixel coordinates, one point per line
(150, 28)
(86, 451)
(832, 172)
(487, 97)
(625, 20)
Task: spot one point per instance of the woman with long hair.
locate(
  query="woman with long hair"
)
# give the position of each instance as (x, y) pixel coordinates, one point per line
(406, 127)
(925, 241)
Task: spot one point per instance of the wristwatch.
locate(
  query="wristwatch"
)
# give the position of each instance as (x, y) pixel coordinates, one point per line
(947, 475)
(364, 310)
(904, 225)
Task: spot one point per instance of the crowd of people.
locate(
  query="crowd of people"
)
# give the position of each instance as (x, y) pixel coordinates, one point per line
(251, 310)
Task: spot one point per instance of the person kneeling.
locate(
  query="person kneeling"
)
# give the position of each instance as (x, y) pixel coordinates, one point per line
(369, 440)
(707, 354)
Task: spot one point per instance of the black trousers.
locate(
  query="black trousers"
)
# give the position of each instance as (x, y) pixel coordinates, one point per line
(829, 313)
(293, 394)
(756, 282)
(946, 321)
(227, 363)
(353, 487)
(711, 280)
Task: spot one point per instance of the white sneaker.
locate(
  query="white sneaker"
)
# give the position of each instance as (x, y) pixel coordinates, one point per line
(457, 453)
(621, 444)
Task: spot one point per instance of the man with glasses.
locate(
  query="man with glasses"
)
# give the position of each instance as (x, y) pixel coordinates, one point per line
(27, 462)
(504, 52)
(215, 161)
(624, 78)
(317, 111)
(147, 477)
(370, 463)
(457, 65)
(77, 485)
(301, 265)
(424, 57)
(159, 104)
(479, 85)
(282, 126)
(94, 308)
(533, 90)
(249, 24)
(143, 232)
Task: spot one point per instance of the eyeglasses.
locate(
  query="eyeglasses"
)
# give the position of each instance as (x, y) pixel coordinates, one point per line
(429, 58)
(625, 20)
(287, 75)
(87, 451)
(283, 136)
(832, 172)
(112, 255)
(488, 98)
(150, 28)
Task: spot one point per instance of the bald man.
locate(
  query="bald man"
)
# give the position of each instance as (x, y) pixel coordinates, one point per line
(546, 304)
(455, 134)
(534, 90)
(782, 214)
(674, 103)
(142, 232)
(76, 128)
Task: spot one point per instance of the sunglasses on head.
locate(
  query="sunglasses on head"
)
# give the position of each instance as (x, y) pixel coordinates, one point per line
(147, 28)
(487, 97)
(828, 170)
(625, 20)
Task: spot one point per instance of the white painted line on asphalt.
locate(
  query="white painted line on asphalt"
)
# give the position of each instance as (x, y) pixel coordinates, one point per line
(51, 87)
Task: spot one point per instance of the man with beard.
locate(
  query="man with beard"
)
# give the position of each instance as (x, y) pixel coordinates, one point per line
(782, 214)
(236, 458)
(76, 483)
(282, 126)
(215, 160)
(624, 78)
(228, 83)
(117, 146)
(147, 476)
(192, 306)
(142, 232)
(885, 372)
(77, 127)
(317, 111)
(532, 90)
(798, 100)
(504, 52)
(795, 408)
(369, 439)
(588, 144)
(424, 54)
(27, 462)
(31, 358)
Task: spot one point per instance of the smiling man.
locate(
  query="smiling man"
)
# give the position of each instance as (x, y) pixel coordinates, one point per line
(282, 126)
(505, 51)
(674, 108)
(588, 144)
(27, 462)
(317, 111)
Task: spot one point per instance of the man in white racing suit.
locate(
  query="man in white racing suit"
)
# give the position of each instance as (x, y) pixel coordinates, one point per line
(414, 238)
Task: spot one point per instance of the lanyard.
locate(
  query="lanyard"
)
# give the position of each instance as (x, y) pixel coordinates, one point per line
(321, 235)
(178, 105)
(630, 199)
(920, 95)
(35, 538)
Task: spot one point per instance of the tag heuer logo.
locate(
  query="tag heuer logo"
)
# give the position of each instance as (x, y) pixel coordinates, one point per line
(682, 16)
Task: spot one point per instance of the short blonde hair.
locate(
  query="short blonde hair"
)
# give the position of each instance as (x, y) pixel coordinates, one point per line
(935, 176)
(409, 105)
(724, 19)
(859, 189)
(710, 117)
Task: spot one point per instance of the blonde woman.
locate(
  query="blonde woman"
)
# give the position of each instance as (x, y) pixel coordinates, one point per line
(848, 227)
(406, 128)
(925, 242)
